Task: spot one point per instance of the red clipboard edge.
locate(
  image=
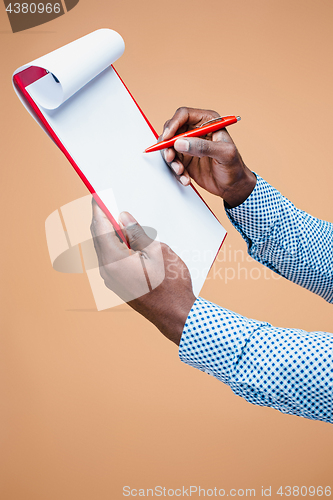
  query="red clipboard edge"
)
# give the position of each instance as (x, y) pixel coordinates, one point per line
(33, 73)
(21, 81)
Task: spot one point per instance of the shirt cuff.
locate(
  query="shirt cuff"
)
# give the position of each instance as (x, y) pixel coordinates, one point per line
(213, 338)
(258, 214)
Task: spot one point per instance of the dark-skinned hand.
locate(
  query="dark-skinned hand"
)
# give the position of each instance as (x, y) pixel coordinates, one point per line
(212, 161)
(150, 277)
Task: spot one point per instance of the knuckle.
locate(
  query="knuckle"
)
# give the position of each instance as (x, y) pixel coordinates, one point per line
(214, 114)
(167, 252)
(166, 124)
(163, 246)
(230, 152)
(202, 147)
(182, 110)
(135, 232)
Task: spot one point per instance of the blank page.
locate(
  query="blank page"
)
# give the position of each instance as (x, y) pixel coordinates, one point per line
(104, 131)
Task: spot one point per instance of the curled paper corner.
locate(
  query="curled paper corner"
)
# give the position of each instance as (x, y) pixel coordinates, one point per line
(71, 67)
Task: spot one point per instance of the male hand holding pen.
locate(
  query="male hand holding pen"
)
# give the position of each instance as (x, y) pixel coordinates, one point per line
(268, 358)
(212, 161)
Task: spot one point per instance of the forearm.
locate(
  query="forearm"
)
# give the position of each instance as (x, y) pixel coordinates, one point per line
(287, 240)
(286, 369)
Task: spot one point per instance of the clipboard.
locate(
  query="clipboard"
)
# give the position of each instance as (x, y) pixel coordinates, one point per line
(62, 91)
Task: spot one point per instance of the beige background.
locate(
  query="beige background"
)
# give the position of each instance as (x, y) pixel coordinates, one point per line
(91, 401)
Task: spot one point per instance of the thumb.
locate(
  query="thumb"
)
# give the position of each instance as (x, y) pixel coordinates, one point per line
(100, 223)
(136, 237)
(198, 147)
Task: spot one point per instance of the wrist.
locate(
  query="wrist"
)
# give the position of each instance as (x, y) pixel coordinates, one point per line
(172, 325)
(240, 189)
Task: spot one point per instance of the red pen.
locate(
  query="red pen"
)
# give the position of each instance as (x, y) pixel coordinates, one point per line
(206, 128)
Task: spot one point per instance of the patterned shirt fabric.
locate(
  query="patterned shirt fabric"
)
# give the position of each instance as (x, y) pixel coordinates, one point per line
(287, 369)
(287, 240)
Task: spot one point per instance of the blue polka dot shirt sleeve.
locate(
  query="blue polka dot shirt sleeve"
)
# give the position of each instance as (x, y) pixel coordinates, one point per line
(285, 239)
(287, 369)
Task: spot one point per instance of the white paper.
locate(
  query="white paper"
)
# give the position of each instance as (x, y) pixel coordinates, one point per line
(105, 133)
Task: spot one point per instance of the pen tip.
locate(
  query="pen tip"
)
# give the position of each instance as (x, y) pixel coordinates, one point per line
(238, 118)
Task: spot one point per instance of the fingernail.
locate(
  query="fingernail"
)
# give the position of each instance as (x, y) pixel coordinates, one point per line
(126, 219)
(183, 179)
(166, 152)
(175, 167)
(182, 145)
(165, 133)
